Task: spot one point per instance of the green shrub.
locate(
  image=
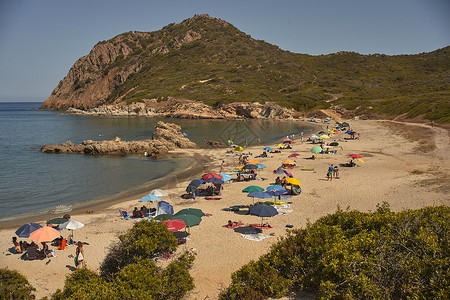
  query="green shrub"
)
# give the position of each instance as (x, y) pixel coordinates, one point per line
(144, 240)
(14, 285)
(354, 255)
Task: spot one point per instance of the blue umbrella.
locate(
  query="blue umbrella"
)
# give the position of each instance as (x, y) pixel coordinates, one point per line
(275, 187)
(263, 211)
(26, 229)
(267, 149)
(149, 198)
(261, 166)
(225, 176)
(193, 185)
(215, 180)
(259, 194)
(276, 192)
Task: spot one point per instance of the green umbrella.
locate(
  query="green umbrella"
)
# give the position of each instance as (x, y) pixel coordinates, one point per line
(57, 221)
(316, 149)
(190, 211)
(189, 220)
(252, 188)
(164, 217)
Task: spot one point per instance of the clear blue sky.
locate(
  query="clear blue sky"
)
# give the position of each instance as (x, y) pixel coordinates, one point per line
(41, 39)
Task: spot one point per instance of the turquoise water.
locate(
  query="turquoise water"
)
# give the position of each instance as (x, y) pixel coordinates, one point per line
(31, 181)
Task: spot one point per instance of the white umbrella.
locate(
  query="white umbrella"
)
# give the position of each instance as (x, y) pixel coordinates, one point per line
(71, 225)
(158, 192)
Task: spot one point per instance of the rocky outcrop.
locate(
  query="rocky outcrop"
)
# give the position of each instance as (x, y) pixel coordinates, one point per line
(166, 137)
(188, 109)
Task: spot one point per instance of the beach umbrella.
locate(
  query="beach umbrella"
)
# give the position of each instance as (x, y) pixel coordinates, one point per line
(252, 188)
(354, 155)
(57, 221)
(279, 171)
(211, 175)
(158, 192)
(44, 234)
(293, 155)
(288, 162)
(280, 146)
(250, 167)
(316, 149)
(188, 219)
(225, 176)
(286, 140)
(276, 192)
(25, 230)
(263, 211)
(71, 225)
(267, 149)
(174, 225)
(164, 217)
(275, 187)
(293, 181)
(261, 166)
(215, 180)
(238, 148)
(193, 185)
(190, 211)
(149, 198)
(259, 194)
(359, 159)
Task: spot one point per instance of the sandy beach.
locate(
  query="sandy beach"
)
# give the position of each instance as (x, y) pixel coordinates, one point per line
(405, 164)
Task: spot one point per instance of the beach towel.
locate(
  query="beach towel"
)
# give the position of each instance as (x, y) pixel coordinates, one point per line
(260, 227)
(282, 211)
(254, 237)
(234, 226)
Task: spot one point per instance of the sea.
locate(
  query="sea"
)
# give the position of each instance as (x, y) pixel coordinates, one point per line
(32, 182)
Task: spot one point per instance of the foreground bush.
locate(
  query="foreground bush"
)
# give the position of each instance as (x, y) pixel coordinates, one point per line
(130, 270)
(144, 240)
(13, 285)
(354, 255)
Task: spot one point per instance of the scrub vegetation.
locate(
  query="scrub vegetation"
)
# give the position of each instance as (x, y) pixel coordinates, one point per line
(210, 60)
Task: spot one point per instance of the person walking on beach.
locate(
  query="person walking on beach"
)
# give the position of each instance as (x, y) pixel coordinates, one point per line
(259, 142)
(330, 173)
(79, 256)
(221, 166)
(246, 143)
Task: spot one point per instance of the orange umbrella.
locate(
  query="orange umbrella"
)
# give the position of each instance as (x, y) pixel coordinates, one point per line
(44, 234)
(288, 162)
(252, 161)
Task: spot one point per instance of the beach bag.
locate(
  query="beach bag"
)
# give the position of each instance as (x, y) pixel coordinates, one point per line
(76, 261)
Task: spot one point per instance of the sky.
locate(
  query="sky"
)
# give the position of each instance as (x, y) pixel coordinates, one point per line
(41, 40)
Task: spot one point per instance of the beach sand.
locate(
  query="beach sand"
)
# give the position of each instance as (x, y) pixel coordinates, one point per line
(396, 170)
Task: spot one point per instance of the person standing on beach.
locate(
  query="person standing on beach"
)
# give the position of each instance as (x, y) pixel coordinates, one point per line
(221, 166)
(336, 172)
(80, 255)
(246, 143)
(259, 142)
(330, 173)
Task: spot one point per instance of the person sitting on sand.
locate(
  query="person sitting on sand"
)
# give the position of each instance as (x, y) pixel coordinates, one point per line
(44, 250)
(17, 248)
(284, 182)
(278, 181)
(136, 213)
(266, 225)
(231, 224)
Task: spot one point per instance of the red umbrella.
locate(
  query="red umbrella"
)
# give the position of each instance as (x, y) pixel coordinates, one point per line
(294, 155)
(44, 234)
(354, 155)
(287, 140)
(174, 225)
(211, 175)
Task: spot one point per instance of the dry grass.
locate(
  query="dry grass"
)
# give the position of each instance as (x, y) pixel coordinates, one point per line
(423, 136)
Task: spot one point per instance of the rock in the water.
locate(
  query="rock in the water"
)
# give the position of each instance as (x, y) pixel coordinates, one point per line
(166, 137)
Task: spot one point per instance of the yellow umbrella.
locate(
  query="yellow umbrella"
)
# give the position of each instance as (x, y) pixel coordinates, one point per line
(288, 162)
(280, 146)
(255, 162)
(238, 148)
(239, 167)
(293, 181)
(324, 136)
(360, 159)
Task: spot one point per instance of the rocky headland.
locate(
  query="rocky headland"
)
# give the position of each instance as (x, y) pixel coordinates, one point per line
(189, 109)
(166, 137)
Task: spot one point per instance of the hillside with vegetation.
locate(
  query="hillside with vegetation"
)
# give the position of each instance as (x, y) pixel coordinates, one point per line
(210, 61)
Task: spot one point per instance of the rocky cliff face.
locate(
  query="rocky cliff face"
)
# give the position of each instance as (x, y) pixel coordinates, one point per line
(166, 137)
(187, 109)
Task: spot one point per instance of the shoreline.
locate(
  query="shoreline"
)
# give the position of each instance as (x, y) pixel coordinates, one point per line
(386, 175)
(197, 165)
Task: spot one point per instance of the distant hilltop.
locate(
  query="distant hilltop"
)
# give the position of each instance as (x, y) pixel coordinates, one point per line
(208, 68)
